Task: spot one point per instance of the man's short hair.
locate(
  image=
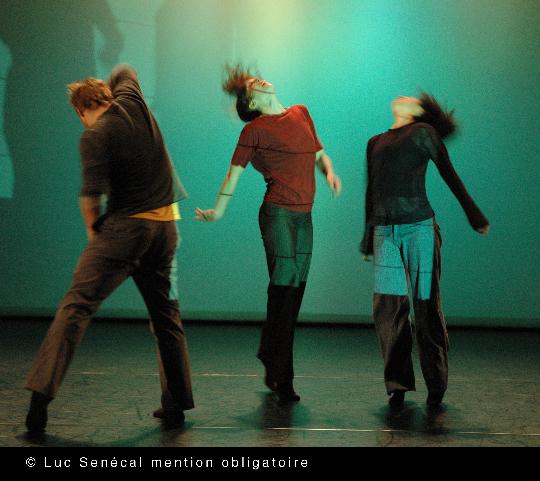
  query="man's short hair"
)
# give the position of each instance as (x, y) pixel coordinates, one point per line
(89, 94)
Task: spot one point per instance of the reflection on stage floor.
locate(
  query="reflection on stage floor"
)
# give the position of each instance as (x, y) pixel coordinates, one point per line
(112, 388)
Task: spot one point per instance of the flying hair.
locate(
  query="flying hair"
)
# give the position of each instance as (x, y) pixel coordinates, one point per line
(439, 118)
(235, 85)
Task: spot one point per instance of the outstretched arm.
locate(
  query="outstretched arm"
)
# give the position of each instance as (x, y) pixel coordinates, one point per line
(227, 190)
(324, 164)
(439, 154)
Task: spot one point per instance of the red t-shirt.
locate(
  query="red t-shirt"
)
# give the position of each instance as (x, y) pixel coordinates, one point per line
(282, 148)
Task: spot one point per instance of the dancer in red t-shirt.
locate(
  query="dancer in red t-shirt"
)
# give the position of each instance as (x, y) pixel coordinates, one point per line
(282, 144)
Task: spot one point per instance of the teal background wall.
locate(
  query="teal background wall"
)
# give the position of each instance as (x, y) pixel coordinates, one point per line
(344, 59)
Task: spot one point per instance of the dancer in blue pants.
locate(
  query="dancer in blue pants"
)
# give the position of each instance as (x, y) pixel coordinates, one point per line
(403, 236)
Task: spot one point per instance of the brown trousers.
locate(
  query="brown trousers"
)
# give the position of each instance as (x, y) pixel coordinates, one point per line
(131, 247)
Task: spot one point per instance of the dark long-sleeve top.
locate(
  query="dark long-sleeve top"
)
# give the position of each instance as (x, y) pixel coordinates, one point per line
(397, 162)
(124, 155)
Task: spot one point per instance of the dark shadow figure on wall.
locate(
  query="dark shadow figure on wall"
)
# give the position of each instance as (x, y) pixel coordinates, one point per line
(51, 44)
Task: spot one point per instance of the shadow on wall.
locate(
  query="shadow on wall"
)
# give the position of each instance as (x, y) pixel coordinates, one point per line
(51, 44)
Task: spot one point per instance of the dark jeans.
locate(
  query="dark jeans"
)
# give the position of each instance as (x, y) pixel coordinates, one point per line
(288, 241)
(138, 248)
(407, 263)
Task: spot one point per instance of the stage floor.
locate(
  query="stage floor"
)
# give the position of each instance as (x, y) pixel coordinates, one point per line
(112, 389)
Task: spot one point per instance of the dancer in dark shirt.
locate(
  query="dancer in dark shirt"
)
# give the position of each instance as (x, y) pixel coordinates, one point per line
(282, 144)
(402, 235)
(125, 159)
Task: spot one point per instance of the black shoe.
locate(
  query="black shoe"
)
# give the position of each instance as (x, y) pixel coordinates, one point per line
(171, 419)
(397, 399)
(286, 393)
(434, 399)
(36, 419)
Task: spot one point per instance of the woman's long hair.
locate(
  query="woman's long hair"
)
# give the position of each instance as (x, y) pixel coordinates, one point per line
(235, 85)
(440, 119)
